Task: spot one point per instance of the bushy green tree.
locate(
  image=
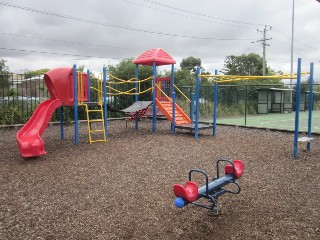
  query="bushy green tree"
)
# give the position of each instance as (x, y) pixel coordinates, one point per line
(4, 75)
(248, 65)
(184, 77)
(39, 72)
(125, 70)
(3, 67)
(244, 65)
(190, 63)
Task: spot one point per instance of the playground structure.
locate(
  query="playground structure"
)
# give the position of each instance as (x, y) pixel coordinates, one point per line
(67, 87)
(59, 83)
(212, 190)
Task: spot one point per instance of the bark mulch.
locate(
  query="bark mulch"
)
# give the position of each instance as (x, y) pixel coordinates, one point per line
(123, 189)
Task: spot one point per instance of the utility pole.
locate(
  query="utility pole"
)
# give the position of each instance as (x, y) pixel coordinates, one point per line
(292, 41)
(264, 44)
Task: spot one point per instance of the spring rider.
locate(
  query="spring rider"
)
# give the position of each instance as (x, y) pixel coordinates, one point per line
(190, 193)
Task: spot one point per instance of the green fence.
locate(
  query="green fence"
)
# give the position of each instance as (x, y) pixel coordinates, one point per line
(266, 106)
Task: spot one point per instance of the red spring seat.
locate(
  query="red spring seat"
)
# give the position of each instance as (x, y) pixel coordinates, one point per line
(238, 168)
(188, 192)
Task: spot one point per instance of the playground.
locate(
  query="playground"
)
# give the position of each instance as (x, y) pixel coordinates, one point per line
(155, 178)
(123, 189)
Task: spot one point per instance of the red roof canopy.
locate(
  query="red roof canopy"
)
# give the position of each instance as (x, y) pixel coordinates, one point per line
(157, 55)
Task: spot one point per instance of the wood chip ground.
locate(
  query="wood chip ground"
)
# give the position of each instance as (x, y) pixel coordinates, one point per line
(123, 189)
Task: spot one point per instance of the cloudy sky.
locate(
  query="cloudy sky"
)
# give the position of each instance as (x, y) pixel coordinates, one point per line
(41, 33)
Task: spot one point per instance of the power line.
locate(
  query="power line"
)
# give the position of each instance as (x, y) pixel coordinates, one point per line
(296, 41)
(55, 53)
(115, 26)
(64, 41)
(200, 14)
(187, 16)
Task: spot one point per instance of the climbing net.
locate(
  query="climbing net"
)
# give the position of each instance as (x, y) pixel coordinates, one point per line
(118, 86)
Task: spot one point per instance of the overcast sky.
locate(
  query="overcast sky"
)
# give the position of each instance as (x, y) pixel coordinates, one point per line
(46, 34)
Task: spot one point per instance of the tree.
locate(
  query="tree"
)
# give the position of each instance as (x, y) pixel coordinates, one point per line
(248, 65)
(36, 73)
(4, 74)
(184, 77)
(3, 67)
(190, 63)
(244, 65)
(125, 70)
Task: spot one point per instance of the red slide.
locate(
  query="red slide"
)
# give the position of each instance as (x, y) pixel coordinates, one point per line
(59, 82)
(29, 137)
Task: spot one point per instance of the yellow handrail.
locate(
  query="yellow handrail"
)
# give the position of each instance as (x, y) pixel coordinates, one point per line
(164, 93)
(146, 79)
(230, 78)
(145, 91)
(182, 93)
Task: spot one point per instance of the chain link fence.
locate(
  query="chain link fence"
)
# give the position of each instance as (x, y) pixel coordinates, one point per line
(263, 106)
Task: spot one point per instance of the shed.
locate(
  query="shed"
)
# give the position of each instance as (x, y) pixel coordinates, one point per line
(274, 100)
(304, 99)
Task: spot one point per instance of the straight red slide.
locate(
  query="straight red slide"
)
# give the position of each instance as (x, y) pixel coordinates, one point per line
(29, 137)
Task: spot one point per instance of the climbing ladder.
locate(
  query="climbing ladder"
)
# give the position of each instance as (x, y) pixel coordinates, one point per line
(95, 121)
(94, 112)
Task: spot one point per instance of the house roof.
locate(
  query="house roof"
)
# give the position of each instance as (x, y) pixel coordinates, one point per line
(154, 55)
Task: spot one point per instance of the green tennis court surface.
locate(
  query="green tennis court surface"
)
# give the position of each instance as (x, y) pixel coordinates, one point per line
(284, 121)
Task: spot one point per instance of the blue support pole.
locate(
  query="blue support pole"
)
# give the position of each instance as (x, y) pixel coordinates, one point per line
(215, 104)
(172, 79)
(296, 127)
(75, 105)
(105, 101)
(89, 85)
(61, 122)
(136, 96)
(310, 105)
(154, 112)
(173, 96)
(196, 131)
(192, 107)
(173, 129)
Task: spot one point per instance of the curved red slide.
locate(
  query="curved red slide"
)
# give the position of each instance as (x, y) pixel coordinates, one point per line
(29, 137)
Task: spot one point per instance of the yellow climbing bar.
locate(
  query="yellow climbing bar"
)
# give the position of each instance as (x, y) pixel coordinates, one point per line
(182, 93)
(118, 92)
(164, 93)
(231, 78)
